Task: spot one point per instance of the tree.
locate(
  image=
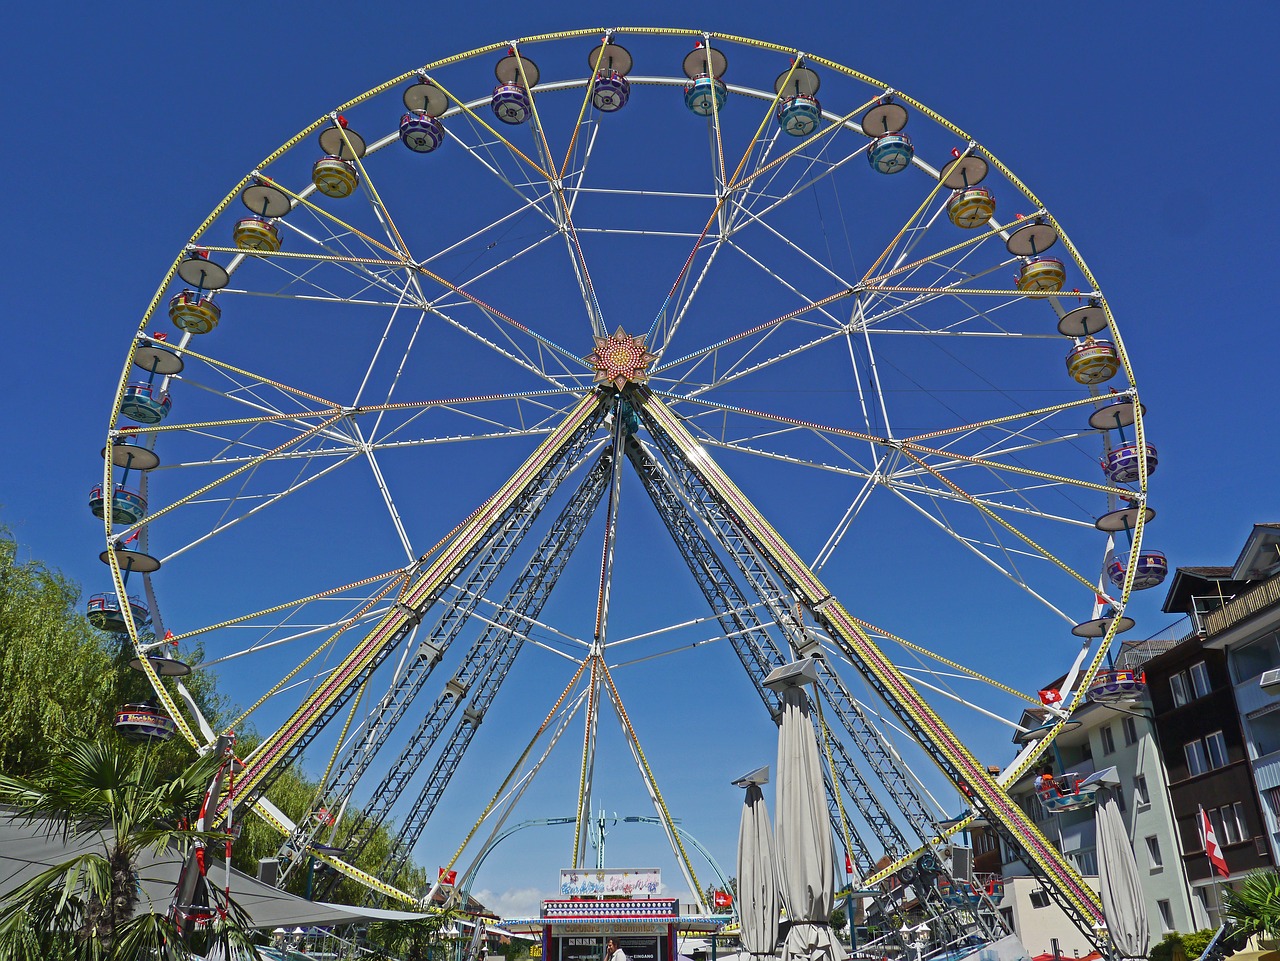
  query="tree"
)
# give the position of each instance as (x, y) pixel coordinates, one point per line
(414, 940)
(55, 674)
(115, 797)
(1254, 907)
(837, 920)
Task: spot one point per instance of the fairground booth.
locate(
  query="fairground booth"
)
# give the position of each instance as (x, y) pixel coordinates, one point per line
(614, 903)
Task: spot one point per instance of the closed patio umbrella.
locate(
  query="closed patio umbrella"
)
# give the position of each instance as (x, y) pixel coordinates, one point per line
(805, 849)
(1121, 886)
(757, 880)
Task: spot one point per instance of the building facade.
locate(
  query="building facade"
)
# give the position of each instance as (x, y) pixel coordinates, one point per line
(1210, 758)
(1118, 736)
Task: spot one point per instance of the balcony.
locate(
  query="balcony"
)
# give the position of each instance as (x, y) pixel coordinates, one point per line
(1242, 606)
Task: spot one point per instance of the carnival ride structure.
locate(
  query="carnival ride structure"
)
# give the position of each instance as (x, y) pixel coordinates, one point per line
(426, 362)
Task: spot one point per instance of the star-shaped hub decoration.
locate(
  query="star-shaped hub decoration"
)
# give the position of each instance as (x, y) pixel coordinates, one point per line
(620, 360)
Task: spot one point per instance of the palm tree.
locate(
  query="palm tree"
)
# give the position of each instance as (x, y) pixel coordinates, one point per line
(1254, 907)
(110, 802)
(427, 939)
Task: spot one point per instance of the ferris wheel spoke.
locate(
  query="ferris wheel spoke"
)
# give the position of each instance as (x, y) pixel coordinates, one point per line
(999, 519)
(555, 182)
(781, 280)
(860, 500)
(245, 621)
(235, 472)
(684, 300)
(759, 329)
(914, 451)
(831, 168)
(380, 210)
(532, 199)
(388, 502)
(971, 545)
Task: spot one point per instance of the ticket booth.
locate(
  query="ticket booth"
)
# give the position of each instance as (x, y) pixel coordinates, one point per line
(596, 905)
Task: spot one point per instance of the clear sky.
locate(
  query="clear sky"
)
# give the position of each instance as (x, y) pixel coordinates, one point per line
(1144, 128)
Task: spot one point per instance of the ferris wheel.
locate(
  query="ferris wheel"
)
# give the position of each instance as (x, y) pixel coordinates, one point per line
(569, 353)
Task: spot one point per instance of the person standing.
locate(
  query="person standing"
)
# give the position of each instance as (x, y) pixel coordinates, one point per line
(612, 952)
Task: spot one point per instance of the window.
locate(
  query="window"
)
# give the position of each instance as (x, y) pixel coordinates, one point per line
(1178, 686)
(1196, 762)
(1200, 678)
(1121, 806)
(1108, 741)
(1228, 823)
(1206, 754)
(1130, 726)
(1140, 796)
(1166, 916)
(1219, 830)
(1216, 747)
(1153, 852)
(1086, 862)
(1039, 898)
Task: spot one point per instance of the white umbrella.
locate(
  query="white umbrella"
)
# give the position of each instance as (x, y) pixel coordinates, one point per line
(805, 850)
(757, 879)
(474, 951)
(1121, 886)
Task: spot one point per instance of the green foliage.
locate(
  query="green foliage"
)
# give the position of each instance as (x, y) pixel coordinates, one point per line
(413, 940)
(838, 919)
(1177, 947)
(55, 675)
(1254, 906)
(62, 680)
(116, 800)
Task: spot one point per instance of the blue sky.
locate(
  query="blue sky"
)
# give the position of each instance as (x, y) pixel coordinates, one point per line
(1143, 129)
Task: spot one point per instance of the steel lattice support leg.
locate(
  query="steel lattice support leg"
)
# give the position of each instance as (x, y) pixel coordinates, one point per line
(1061, 879)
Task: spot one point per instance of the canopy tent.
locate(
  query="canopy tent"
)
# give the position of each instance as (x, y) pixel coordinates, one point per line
(28, 848)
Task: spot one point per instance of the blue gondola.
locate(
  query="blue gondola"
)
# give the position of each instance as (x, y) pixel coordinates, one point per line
(891, 153)
(146, 403)
(1068, 792)
(104, 613)
(705, 93)
(127, 506)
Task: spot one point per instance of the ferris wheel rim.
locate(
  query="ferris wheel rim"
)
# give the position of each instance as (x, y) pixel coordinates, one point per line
(570, 387)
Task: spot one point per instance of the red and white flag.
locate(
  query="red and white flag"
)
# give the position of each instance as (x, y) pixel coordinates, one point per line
(848, 864)
(722, 899)
(448, 877)
(1211, 848)
(1050, 696)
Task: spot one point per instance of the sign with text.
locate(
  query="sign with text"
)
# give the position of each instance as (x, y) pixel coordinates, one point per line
(637, 947)
(611, 883)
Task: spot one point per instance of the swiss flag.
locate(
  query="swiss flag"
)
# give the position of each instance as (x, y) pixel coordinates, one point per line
(1211, 848)
(448, 877)
(1050, 696)
(848, 864)
(723, 899)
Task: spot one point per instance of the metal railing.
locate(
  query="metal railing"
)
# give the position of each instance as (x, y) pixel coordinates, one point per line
(1259, 598)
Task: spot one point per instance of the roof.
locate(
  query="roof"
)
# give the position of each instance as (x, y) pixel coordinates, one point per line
(1260, 556)
(30, 847)
(1191, 582)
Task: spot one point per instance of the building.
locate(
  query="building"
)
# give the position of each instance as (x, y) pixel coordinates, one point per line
(1193, 691)
(1238, 614)
(1118, 735)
